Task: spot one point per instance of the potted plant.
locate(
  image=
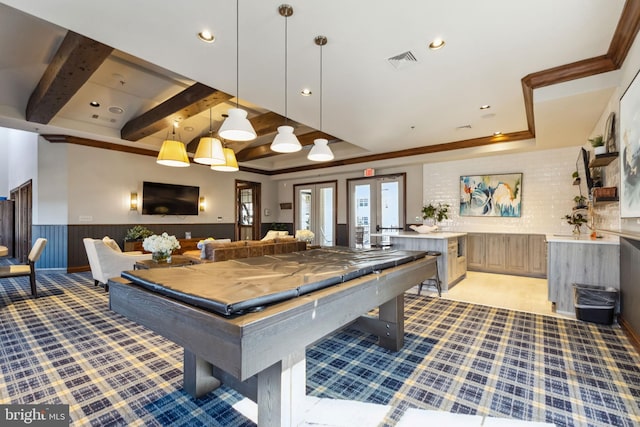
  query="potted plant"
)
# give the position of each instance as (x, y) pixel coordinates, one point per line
(435, 213)
(597, 143)
(138, 232)
(576, 178)
(581, 202)
(576, 219)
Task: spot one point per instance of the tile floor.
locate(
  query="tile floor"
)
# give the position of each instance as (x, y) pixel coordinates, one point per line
(526, 294)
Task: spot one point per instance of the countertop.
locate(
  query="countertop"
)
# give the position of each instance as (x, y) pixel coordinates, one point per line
(416, 235)
(583, 239)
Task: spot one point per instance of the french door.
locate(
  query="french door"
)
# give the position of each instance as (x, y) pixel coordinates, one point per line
(315, 210)
(375, 205)
(247, 210)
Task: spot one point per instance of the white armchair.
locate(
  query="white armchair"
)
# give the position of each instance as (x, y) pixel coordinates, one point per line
(107, 262)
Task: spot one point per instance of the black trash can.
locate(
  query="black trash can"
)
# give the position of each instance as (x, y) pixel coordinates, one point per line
(596, 304)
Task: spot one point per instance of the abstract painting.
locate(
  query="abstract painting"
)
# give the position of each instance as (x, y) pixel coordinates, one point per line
(630, 151)
(491, 195)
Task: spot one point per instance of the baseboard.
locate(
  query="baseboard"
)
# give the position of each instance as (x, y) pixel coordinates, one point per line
(78, 269)
(633, 336)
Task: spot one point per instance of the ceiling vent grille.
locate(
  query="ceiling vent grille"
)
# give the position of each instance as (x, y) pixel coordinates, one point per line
(403, 60)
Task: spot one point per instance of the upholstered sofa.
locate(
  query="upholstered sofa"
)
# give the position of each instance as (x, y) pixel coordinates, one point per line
(223, 251)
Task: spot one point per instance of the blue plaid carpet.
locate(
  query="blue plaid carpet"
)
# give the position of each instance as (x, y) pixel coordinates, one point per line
(68, 347)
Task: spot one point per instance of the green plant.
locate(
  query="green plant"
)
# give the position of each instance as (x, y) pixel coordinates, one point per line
(580, 201)
(575, 174)
(439, 212)
(138, 232)
(596, 141)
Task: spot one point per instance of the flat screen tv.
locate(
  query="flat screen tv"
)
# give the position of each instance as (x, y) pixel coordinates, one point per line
(169, 199)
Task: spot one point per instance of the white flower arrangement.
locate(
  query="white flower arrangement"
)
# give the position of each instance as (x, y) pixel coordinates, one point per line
(304, 235)
(162, 243)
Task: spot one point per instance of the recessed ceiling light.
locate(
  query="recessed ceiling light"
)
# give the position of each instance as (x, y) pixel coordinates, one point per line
(485, 107)
(206, 36)
(436, 44)
(95, 104)
(188, 128)
(116, 110)
(306, 92)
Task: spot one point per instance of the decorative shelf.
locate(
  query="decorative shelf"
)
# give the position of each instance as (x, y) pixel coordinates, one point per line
(605, 199)
(603, 160)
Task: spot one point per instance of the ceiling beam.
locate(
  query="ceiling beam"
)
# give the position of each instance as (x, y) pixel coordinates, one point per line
(264, 150)
(190, 102)
(75, 61)
(625, 33)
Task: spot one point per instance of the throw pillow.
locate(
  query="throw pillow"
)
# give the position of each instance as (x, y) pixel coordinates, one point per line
(111, 243)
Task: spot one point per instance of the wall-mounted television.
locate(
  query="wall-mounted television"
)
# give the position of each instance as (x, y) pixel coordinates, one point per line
(169, 199)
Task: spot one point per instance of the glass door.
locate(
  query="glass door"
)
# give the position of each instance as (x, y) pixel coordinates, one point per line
(315, 210)
(248, 210)
(376, 205)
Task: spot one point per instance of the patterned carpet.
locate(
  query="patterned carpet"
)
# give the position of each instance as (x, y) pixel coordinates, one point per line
(67, 347)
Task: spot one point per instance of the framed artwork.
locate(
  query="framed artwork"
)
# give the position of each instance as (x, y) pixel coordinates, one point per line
(630, 151)
(491, 195)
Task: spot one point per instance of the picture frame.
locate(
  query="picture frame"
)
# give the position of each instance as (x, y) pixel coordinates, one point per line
(491, 195)
(630, 150)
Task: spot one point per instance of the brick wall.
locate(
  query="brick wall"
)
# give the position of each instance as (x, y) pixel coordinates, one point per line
(547, 190)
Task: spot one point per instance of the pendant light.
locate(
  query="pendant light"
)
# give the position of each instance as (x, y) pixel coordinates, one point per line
(230, 164)
(173, 152)
(320, 152)
(209, 150)
(236, 126)
(285, 141)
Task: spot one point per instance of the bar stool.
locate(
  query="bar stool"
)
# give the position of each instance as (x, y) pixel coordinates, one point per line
(435, 280)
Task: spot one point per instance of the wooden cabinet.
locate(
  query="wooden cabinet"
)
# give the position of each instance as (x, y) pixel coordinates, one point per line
(494, 252)
(517, 254)
(538, 255)
(452, 260)
(475, 251)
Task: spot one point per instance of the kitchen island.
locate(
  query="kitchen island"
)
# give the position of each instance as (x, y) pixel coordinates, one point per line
(580, 260)
(452, 265)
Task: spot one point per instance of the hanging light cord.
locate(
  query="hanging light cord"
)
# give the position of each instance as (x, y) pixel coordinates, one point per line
(237, 52)
(286, 20)
(320, 88)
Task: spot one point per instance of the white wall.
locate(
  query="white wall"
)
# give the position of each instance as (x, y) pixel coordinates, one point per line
(4, 162)
(547, 190)
(100, 183)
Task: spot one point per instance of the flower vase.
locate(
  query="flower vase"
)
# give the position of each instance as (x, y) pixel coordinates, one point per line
(161, 257)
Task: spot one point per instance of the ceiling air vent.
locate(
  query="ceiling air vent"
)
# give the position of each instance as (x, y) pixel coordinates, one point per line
(403, 60)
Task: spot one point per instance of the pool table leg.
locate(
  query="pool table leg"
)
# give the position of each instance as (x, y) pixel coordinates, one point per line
(392, 312)
(197, 375)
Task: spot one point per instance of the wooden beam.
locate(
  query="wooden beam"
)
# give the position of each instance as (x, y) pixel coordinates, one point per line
(428, 149)
(75, 61)
(267, 123)
(625, 33)
(264, 150)
(190, 102)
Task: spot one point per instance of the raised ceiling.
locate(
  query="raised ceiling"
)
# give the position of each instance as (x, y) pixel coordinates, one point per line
(529, 60)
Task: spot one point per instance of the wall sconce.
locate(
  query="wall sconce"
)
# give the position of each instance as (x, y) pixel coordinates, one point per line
(202, 204)
(133, 202)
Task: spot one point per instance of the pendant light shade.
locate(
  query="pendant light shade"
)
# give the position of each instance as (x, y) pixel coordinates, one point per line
(320, 152)
(285, 141)
(237, 127)
(173, 153)
(231, 164)
(209, 151)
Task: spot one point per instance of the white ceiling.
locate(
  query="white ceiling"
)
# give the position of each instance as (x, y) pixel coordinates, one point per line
(490, 46)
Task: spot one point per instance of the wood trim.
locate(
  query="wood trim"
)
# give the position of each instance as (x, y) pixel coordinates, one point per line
(634, 338)
(99, 144)
(625, 33)
(77, 58)
(190, 102)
